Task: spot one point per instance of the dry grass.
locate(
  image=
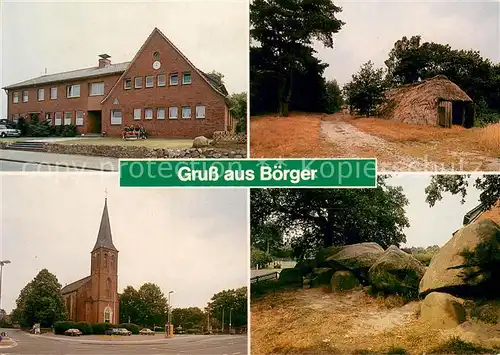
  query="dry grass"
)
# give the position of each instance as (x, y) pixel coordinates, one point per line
(296, 136)
(489, 138)
(148, 143)
(312, 322)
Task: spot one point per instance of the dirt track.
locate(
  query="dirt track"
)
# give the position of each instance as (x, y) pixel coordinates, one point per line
(353, 142)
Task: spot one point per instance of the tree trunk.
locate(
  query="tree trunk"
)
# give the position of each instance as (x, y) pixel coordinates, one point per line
(328, 236)
(286, 94)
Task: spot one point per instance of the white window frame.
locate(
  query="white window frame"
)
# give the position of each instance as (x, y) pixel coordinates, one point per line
(171, 76)
(125, 84)
(93, 92)
(135, 82)
(185, 117)
(70, 89)
(115, 123)
(79, 120)
(57, 118)
(15, 97)
(158, 116)
(170, 116)
(42, 96)
(25, 96)
(49, 118)
(146, 111)
(186, 82)
(137, 116)
(68, 120)
(151, 78)
(198, 113)
(164, 80)
(53, 93)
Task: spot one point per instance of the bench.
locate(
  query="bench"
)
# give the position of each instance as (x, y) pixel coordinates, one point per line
(130, 135)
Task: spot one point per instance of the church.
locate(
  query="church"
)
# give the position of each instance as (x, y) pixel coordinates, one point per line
(94, 299)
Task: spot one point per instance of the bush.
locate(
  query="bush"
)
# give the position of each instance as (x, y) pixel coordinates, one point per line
(62, 326)
(38, 129)
(424, 258)
(85, 328)
(68, 131)
(100, 328)
(134, 328)
(193, 331)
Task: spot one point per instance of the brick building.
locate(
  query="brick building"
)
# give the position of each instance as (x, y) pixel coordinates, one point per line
(159, 90)
(94, 299)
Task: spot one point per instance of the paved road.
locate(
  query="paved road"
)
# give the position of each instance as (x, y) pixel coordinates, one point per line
(9, 166)
(63, 162)
(181, 345)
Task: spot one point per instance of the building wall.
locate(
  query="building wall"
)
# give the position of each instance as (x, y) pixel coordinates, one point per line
(198, 92)
(62, 103)
(101, 271)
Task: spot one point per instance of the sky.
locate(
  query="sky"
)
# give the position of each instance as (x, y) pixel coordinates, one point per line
(68, 35)
(192, 241)
(432, 225)
(372, 27)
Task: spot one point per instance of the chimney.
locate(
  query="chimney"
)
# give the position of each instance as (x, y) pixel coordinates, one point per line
(104, 61)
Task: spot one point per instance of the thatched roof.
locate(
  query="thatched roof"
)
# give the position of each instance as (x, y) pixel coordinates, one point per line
(438, 88)
(417, 102)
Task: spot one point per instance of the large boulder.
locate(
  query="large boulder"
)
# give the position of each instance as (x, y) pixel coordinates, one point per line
(442, 310)
(306, 266)
(444, 270)
(323, 254)
(201, 142)
(290, 276)
(322, 276)
(357, 258)
(396, 272)
(343, 281)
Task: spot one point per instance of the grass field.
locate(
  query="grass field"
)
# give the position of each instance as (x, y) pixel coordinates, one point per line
(343, 135)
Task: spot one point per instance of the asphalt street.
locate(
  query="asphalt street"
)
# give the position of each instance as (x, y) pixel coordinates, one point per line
(191, 344)
(9, 166)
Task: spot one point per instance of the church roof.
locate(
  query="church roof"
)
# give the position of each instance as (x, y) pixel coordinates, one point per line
(75, 285)
(104, 238)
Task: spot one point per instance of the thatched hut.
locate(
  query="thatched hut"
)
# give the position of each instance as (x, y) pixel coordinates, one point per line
(435, 102)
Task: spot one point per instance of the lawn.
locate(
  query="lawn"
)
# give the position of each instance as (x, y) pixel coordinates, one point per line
(148, 143)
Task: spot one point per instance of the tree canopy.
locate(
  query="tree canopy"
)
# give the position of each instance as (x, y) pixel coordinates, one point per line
(188, 318)
(283, 32)
(234, 304)
(489, 185)
(147, 306)
(40, 301)
(315, 218)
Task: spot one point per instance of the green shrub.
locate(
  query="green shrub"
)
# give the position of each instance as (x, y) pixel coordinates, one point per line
(424, 258)
(38, 129)
(100, 328)
(68, 131)
(134, 328)
(85, 328)
(62, 326)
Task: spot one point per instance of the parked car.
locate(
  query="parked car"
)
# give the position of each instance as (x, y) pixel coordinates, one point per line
(123, 331)
(9, 132)
(146, 331)
(112, 331)
(73, 332)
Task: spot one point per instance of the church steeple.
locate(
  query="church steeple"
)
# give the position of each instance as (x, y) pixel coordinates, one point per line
(104, 238)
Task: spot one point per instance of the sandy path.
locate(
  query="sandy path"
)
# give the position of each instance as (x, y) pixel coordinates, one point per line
(354, 143)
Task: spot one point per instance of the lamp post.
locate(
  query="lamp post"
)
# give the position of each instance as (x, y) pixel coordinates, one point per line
(230, 312)
(2, 263)
(169, 314)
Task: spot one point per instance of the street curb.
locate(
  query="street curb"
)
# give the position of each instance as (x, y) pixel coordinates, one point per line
(101, 342)
(56, 164)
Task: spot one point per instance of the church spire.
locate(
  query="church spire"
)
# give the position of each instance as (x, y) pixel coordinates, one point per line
(104, 238)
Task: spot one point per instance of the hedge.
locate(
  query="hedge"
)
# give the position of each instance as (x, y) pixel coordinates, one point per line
(100, 328)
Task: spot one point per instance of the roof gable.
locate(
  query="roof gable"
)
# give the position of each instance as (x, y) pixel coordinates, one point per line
(219, 89)
(74, 286)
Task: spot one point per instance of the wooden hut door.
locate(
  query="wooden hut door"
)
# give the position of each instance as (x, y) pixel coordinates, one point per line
(442, 116)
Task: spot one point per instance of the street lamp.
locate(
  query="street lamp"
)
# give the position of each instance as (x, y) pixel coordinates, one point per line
(230, 312)
(2, 263)
(169, 314)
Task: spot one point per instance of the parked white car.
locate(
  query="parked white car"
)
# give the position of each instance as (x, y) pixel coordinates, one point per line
(9, 132)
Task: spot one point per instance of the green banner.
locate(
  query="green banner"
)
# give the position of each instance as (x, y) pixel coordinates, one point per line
(340, 173)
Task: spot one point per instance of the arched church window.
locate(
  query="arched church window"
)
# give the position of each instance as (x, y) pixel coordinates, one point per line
(112, 262)
(107, 315)
(156, 55)
(109, 285)
(106, 260)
